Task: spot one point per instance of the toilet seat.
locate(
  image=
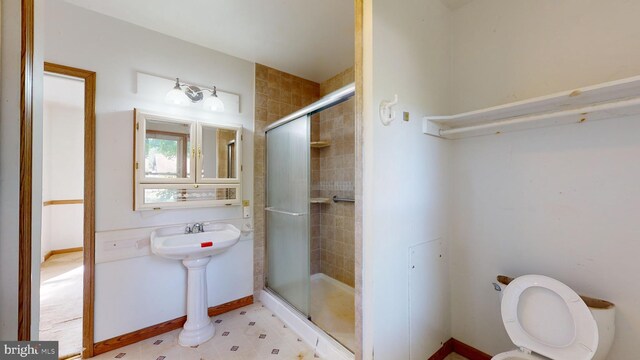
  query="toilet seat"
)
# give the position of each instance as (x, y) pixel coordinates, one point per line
(584, 339)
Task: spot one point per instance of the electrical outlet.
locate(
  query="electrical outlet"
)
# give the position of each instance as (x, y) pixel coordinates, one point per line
(246, 210)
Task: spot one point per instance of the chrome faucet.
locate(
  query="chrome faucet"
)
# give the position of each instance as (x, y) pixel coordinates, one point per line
(197, 228)
(194, 229)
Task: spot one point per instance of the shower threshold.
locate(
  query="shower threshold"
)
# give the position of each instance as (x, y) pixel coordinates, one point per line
(324, 345)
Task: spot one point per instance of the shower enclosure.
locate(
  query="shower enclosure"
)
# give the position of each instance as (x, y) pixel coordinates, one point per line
(306, 232)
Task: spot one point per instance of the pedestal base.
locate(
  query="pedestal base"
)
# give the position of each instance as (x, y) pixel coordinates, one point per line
(198, 327)
(196, 336)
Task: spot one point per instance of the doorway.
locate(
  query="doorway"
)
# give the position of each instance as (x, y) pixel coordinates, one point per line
(61, 271)
(68, 211)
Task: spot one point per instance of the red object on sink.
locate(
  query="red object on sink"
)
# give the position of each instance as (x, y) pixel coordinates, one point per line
(206, 244)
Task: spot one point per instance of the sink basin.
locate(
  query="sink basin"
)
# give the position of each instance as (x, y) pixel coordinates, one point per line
(195, 250)
(173, 243)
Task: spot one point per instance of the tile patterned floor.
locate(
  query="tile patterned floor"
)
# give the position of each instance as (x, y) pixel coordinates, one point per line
(251, 332)
(61, 301)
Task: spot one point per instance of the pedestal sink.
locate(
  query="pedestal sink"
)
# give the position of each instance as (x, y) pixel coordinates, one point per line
(195, 250)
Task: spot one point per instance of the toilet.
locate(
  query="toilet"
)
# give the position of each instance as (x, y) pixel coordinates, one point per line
(546, 319)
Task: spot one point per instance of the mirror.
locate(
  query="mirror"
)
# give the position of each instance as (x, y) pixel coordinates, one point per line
(166, 150)
(219, 153)
(170, 151)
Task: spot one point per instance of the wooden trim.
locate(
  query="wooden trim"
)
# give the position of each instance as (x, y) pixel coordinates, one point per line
(167, 133)
(469, 351)
(155, 330)
(229, 306)
(88, 287)
(182, 154)
(591, 302)
(47, 256)
(135, 148)
(66, 251)
(26, 159)
(61, 251)
(62, 202)
(456, 346)
(67, 70)
(444, 351)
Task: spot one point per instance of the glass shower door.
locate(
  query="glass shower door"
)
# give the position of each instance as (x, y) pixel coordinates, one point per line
(287, 212)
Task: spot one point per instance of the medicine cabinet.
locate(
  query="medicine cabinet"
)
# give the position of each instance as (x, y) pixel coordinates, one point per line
(180, 163)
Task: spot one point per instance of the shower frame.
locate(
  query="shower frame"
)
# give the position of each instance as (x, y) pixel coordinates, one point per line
(330, 100)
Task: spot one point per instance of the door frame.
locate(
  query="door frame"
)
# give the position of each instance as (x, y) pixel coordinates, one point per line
(26, 151)
(88, 287)
(26, 184)
(307, 118)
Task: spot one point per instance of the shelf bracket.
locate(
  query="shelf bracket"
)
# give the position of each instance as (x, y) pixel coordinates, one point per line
(431, 127)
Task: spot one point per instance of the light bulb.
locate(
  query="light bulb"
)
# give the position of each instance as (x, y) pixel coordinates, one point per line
(176, 96)
(213, 102)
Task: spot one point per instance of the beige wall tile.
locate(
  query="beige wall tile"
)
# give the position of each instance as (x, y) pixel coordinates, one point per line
(332, 169)
(337, 174)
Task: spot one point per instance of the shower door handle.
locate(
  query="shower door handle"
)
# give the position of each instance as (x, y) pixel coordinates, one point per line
(284, 212)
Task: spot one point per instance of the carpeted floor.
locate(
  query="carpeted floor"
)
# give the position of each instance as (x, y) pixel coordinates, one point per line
(61, 302)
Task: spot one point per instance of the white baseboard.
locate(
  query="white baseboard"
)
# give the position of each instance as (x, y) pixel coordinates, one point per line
(325, 345)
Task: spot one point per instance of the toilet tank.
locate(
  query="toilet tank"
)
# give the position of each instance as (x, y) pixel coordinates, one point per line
(603, 312)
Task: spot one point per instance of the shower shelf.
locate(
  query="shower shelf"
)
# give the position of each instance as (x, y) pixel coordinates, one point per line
(598, 102)
(320, 200)
(320, 144)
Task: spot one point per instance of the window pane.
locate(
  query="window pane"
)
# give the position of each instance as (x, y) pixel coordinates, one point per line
(164, 195)
(166, 153)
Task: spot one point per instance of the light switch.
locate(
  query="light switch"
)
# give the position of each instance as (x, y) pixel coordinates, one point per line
(246, 209)
(405, 115)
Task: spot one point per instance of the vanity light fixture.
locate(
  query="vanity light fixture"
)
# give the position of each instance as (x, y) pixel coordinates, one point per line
(213, 102)
(182, 94)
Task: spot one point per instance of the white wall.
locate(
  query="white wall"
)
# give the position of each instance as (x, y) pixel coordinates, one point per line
(404, 190)
(62, 227)
(62, 163)
(9, 168)
(148, 290)
(560, 201)
(503, 51)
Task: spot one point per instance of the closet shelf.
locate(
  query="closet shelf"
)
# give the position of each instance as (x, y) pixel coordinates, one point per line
(320, 200)
(320, 144)
(603, 101)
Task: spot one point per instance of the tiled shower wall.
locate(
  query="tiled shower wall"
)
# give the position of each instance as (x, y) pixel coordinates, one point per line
(332, 173)
(277, 94)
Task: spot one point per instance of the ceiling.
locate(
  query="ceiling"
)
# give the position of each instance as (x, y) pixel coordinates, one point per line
(313, 39)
